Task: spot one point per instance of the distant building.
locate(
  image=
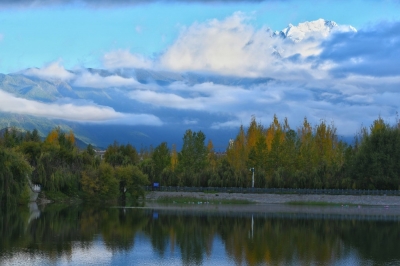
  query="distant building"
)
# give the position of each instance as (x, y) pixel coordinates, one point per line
(100, 154)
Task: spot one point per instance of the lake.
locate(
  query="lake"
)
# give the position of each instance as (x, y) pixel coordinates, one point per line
(200, 235)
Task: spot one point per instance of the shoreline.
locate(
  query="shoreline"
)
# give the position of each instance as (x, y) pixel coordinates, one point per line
(279, 205)
(363, 200)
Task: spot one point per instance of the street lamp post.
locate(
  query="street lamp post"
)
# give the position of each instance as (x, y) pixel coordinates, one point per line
(252, 178)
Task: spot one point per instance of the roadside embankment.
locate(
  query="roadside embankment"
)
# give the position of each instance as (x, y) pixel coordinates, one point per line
(373, 200)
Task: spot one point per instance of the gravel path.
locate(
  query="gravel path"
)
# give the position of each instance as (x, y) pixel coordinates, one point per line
(284, 198)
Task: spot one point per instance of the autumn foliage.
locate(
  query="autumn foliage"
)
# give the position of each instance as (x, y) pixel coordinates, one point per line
(309, 156)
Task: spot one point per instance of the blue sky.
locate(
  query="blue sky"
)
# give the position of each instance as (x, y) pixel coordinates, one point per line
(348, 74)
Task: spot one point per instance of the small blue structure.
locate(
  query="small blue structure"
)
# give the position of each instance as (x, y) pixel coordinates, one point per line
(156, 186)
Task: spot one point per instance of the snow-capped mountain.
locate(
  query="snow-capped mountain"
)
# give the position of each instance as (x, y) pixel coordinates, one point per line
(149, 106)
(317, 29)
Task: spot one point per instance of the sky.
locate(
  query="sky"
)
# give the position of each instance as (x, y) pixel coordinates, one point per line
(350, 75)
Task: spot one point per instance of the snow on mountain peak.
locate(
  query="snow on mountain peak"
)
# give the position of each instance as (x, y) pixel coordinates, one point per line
(317, 29)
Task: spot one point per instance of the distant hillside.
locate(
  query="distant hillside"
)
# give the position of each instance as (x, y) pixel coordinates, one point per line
(78, 142)
(37, 89)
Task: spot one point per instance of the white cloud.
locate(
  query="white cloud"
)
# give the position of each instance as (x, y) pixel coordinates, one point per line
(124, 59)
(227, 124)
(234, 47)
(87, 79)
(215, 46)
(169, 100)
(344, 104)
(360, 98)
(207, 97)
(51, 71)
(190, 121)
(73, 112)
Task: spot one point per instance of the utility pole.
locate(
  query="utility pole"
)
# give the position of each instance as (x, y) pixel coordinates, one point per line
(252, 178)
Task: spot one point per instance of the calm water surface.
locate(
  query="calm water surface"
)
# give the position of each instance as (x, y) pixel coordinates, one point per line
(87, 235)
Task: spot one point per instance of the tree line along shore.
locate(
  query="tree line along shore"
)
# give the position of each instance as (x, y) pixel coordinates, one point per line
(281, 157)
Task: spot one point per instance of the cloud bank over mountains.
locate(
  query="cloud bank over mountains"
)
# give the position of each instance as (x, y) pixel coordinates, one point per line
(234, 47)
(73, 111)
(219, 73)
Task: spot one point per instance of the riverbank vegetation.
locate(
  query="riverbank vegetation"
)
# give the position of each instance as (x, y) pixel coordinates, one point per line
(306, 157)
(64, 171)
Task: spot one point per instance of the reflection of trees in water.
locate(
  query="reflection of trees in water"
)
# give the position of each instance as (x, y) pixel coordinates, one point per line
(375, 240)
(59, 227)
(160, 232)
(56, 230)
(273, 240)
(192, 234)
(282, 241)
(13, 223)
(118, 228)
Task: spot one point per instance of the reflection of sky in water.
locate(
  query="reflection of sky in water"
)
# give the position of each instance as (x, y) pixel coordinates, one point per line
(97, 254)
(352, 258)
(144, 254)
(93, 254)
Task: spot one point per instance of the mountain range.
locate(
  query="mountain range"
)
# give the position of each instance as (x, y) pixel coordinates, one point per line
(99, 134)
(320, 28)
(106, 105)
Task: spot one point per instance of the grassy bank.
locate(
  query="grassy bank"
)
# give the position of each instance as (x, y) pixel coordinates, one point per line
(319, 203)
(58, 197)
(194, 200)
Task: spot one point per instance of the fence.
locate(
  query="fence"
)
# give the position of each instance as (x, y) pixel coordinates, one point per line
(275, 190)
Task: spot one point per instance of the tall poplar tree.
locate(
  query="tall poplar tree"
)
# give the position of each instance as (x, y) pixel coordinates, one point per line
(192, 159)
(161, 159)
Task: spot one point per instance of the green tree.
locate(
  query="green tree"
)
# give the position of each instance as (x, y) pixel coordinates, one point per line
(13, 177)
(193, 157)
(237, 156)
(88, 157)
(161, 159)
(376, 162)
(117, 155)
(59, 164)
(131, 180)
(12, 137)
(100, 183)
(226, 174)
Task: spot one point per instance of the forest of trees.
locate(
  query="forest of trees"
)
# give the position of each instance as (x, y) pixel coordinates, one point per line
(306, 157)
